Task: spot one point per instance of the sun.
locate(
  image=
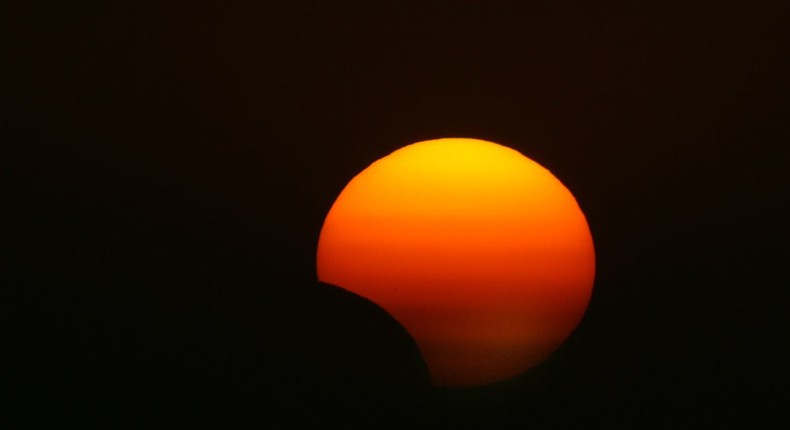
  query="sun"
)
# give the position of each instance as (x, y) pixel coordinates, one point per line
(479, 252)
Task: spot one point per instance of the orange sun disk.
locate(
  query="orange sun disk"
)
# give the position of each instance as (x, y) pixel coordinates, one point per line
(479, 252)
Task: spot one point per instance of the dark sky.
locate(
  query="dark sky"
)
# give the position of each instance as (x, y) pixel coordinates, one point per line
(166, 169)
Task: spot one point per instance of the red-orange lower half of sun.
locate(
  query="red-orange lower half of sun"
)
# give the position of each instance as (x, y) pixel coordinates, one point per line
(479, 252)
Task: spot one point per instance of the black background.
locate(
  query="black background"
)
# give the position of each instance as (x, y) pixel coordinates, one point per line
(166, 169)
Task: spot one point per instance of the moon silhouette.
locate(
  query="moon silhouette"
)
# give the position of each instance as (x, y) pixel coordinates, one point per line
(479, 252)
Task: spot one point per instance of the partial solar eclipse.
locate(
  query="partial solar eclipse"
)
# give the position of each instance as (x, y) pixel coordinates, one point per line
(479, 252)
